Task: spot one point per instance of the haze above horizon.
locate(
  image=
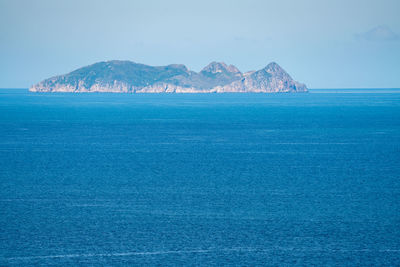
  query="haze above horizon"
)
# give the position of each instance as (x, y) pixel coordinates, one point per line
(340, 44)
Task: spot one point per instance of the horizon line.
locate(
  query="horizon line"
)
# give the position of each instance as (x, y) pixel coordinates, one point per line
(326, 88)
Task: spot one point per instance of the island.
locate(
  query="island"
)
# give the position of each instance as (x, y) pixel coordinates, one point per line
(119, 76)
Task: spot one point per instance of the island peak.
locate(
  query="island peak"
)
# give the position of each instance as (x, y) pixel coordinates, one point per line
(122, 76)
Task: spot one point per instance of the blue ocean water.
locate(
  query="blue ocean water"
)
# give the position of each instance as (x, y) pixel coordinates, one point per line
(215, 179)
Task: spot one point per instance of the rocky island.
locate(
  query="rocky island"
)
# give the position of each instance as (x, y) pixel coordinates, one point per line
(129, 77)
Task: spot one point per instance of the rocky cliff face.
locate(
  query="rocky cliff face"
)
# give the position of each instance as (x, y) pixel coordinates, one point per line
(129, 77)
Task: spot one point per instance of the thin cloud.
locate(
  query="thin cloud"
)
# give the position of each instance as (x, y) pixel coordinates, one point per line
(378, 34)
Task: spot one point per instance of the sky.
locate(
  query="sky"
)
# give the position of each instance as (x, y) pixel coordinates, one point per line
(323, 43)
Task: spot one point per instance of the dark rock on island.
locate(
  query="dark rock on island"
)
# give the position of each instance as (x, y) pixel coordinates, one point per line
(129, 77)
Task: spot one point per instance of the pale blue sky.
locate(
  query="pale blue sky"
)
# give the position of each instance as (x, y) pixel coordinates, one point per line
(323, 43)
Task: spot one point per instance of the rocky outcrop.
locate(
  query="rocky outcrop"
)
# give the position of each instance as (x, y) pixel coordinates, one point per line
(129, 77)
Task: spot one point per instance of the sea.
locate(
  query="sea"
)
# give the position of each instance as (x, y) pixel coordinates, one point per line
(98, 179)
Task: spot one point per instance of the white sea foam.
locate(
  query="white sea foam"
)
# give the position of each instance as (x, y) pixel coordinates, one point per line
(123, 254)
(196, 251)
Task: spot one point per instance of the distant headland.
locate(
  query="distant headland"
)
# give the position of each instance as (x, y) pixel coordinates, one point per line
(129, 77)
